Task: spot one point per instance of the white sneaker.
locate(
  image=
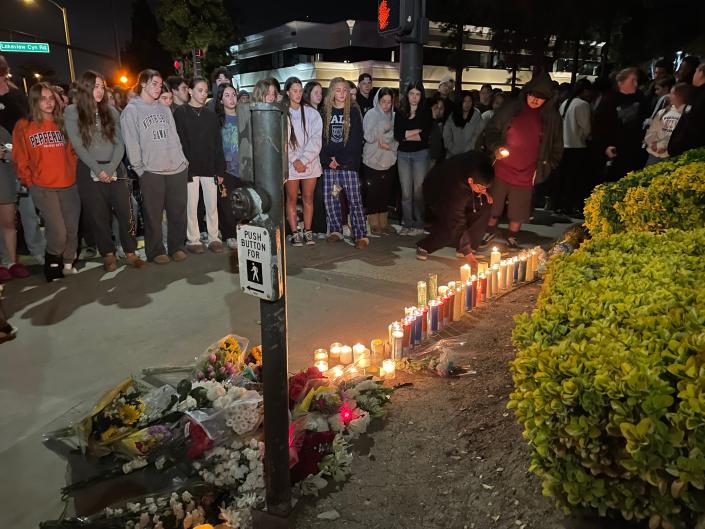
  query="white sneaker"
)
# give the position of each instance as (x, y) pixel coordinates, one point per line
(414, 232)
(404, 231)
(346, 231)
(231, 243)
(69, 269)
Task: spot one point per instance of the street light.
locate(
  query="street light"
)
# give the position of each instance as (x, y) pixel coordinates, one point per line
(37, 76)
(123, 79)
(67, 35)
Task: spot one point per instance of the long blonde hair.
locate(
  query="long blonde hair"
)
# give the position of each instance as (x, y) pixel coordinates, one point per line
(328, 110)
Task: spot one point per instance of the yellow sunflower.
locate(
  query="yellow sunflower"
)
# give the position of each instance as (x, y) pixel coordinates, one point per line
(108, 434)
(130, 413)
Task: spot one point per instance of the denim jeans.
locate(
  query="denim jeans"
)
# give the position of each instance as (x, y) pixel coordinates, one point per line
(412, 167)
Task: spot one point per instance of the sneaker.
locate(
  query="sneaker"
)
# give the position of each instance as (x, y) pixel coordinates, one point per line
(322, 236)
(308, 238)
(487, 238)
(134, 260)
(7, 333)
(5, 275)
(19, 271)
(231, 243)
(512, 243)
(334, 237)
(296, 239)
(388, 230)
(90, 252)
(421, 254)
(404, 231)
(179, 255)
(195, 248)
(69, 269)
(216, 247)
(415, 232)
(161, 259)
(346, 231)
(362, 243)
(110, 263)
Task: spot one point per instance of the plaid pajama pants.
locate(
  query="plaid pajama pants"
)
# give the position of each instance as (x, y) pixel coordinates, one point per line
(350, 182)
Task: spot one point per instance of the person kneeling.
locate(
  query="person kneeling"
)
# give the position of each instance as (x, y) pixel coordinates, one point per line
(457, 194)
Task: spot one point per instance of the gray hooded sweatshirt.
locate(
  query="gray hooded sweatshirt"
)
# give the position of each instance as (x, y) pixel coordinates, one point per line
(151, 140)
(378, 126)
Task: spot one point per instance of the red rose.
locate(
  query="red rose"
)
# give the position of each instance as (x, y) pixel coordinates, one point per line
(200, 442)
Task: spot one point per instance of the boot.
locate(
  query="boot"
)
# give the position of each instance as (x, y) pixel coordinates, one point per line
(373, 219)
(53, 267)
(384, 226)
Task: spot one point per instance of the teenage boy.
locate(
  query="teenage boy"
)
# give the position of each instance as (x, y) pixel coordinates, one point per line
(155, 153)
(365, 95)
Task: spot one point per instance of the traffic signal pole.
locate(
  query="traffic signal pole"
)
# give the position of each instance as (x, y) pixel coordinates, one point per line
(410, 64)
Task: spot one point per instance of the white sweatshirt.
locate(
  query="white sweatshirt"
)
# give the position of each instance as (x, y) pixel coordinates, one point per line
(309, 142)
(661, 129)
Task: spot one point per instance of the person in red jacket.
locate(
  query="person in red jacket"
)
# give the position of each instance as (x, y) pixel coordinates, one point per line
(46, 165)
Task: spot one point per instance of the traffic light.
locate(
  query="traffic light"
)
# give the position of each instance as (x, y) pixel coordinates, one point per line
(404, 19)
(179, 67)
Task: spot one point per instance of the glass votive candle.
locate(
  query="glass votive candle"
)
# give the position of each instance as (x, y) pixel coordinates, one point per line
(322, 366)
(334, 351)
(389, 369)
(346, 355)
(320, 354)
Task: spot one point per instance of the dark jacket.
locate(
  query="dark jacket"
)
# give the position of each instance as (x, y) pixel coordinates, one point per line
(458, 210)
(365, 103)
(422, 120)
(348, 155)
(437, 150)
(201, 141)
(551, 147)
(617, 122)
(690, 131)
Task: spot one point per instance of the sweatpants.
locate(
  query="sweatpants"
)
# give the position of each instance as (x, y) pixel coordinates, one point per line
(348, 181)
(61, 209)
(99, 201)
(210, 201)
(161, 193)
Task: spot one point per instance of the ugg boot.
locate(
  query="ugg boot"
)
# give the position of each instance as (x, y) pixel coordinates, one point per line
(384, 225)
(373, 219)
(53, 267)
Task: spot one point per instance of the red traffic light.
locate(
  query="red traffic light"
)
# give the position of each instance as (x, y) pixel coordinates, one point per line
(177, 65)
(383, 15)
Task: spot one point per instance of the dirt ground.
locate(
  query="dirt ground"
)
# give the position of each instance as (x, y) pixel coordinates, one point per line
(448, 454)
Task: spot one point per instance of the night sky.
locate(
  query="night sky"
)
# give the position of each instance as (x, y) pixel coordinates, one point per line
(91, 26)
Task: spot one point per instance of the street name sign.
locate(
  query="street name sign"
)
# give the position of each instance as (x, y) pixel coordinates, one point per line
(24, 47)
(259, 277)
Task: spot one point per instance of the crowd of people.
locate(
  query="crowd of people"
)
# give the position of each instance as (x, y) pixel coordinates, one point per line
(100, 165)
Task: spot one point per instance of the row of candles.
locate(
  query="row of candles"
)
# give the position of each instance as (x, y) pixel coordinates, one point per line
(437, 306)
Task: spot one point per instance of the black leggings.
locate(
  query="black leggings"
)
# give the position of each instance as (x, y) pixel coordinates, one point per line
(376, 188)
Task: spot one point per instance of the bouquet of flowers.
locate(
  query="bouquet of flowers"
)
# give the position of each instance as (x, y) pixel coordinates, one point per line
(222, 359)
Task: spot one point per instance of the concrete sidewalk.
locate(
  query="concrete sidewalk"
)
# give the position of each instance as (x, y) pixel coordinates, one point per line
(80, 336)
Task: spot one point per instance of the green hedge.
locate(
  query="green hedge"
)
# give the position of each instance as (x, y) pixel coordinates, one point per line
(602, 208)
(610, 378)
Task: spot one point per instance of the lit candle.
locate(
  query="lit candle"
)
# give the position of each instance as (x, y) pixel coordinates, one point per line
(442, 291)
(421, 293)
(451, 285)
(475, 283)
(441, 312)
(504, 152)
(337, 371)
(433, 307)
(346, 356)
(481, 268)
(529, 263)
(468, 295)
(406, 327)
(483, 288)
(458, 305)
(503, 275)
(389, 368)
(432, 286)
(522, 269)
(535, 262)
(515, 260)
(358, 349)
(448, 313)
(465, 272)
(409, 310)
(322, 366)
(420, 322)
(335, 348)
(377, 347)
(489, 277)
(495, 279)
(397, 343)
(320, 354)
(495, 256)
(415, 329)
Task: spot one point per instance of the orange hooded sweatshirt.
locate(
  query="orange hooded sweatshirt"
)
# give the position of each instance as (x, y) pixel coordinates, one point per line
(43, 155)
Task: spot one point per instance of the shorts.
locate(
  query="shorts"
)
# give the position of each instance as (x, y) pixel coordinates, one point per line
(518, 198)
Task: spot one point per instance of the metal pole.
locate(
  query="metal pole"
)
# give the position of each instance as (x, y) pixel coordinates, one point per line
(269, 165)
(67, 36)
(410, 64)
(115, 34)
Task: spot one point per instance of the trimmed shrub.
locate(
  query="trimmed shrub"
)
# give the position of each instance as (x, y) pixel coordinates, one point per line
(610, 378)
(601, 215)
(674, 200)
